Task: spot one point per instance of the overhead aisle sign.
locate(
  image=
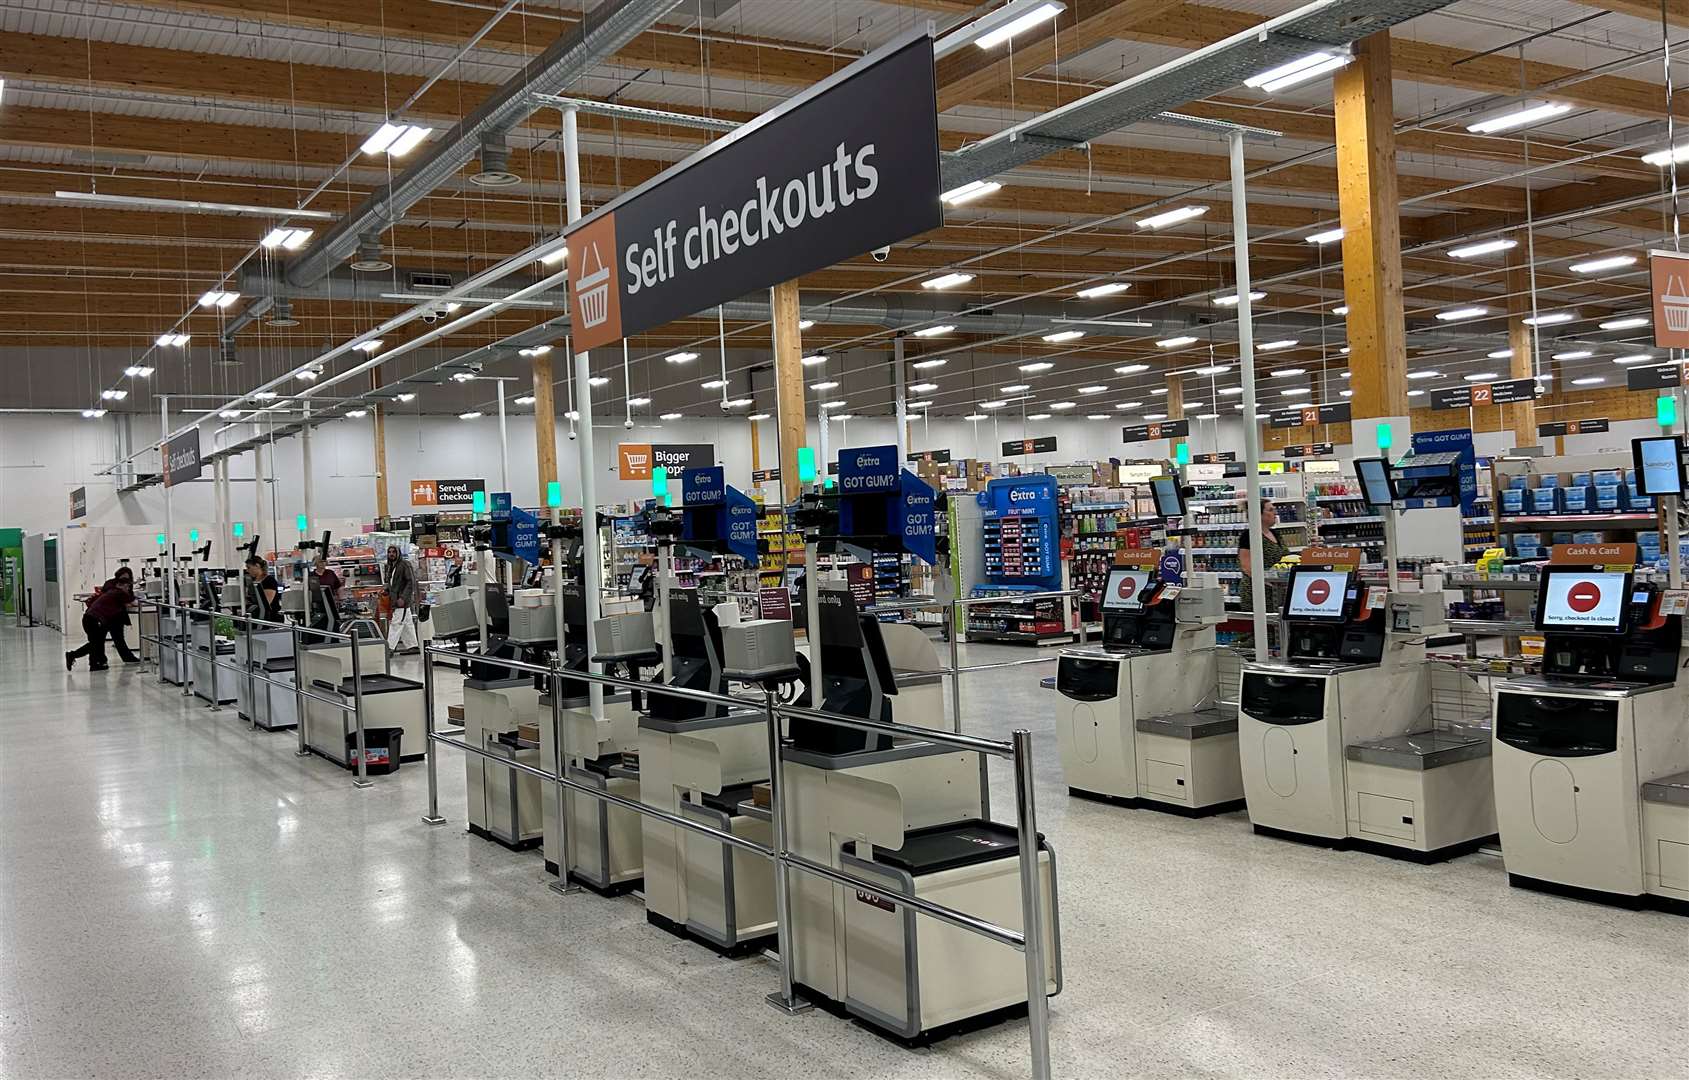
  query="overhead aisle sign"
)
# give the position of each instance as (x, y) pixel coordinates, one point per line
(846, 167)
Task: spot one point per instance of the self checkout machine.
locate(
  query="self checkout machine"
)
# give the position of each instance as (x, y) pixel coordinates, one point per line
(1425, 793)
(913, 814)
(212, 657)
(697, 757)
(1128, 726)
(1575, 747)
(325, 670)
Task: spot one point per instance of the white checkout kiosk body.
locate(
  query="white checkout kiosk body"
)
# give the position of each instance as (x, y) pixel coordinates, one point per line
(1128, 726)
(503, 803)
(908, 813)
(1577, 748)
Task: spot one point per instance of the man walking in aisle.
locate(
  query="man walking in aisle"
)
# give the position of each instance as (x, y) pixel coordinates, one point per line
(399, 577)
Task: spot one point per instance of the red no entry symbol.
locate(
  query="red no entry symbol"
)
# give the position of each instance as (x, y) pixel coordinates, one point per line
(1583, 597)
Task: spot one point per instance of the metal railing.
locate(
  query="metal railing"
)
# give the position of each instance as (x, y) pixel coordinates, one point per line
(186, 649)
(1029, 940)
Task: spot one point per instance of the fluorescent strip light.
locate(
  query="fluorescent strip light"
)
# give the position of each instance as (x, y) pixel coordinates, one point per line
(385, 136)
(1172, 217)
(670, 416)
(1340, 309)
(537, 350)
(1175, 342)
(408, 398)
(368, 347)
(1482, 376)
(1634, 358)
(1275, 346)
(1131, 369)
(1576, 354)
(635, 402)
(1061, 405)
(1211, 369)
(803, 324)
(409, 141)
(933, 331)
(1129, 405)
(1108, 289)
(218, 299)
(113, 395)
(1589, 380)
(138, 371)
(463, 376)
(753, 416)
(1208, 416)
(1677, 155)
(1424, 374)
(1092, 389)
(226, 414)
(92, 414)
(1098, 416)
(1038, 416)
(1330, 236)
(928, 365)
(1519, 118)
(309, 375)
(1499, 354)
(737, 403)
(1064, 335)
(1552, 319)
(967, 193)
(817, 358)
(681, 358)
(1416, 393)
(357, 414)
(557, 255)
(976, 417)
(1232, 300)
(825, 385)
(1595, 266)
(1231, 391)
(1488, 247)
(1459, 314)
(263, 395)
(598, 380)
(1015, 388)
(1035, 368)
(1285, 373)
(921, 404)
(1159, 390)
(1348, 393)
(171, 341)
(1034, 13)
(947, 281)
(1295, 391)
(992, 404)
(1629, 322)
(469, 416)
(1296, 72)
(285, 238)
(525, 399)
(923, 387)
(1155, 416)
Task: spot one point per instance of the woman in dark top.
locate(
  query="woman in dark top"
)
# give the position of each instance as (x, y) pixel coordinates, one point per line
(265, 590)
(107, 610)
(1272, 551)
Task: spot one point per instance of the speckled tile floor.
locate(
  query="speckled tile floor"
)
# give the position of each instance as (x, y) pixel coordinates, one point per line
(180, 896)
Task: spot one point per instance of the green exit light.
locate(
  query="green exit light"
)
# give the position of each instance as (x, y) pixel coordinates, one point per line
(660, 484)
(1386, 437)
(553, 494)
(193, 536)
(806, 465)
(1665, 410)
(303, 523)
(240, 529)
(478, 502)
(1182, 453)
(161, 540)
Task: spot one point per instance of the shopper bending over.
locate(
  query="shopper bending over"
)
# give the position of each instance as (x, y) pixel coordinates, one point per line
(108, 611)
(399, 578)
(1272, 551)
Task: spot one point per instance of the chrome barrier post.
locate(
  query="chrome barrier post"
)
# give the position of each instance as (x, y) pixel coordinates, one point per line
(1032, 904)
(559, 761)
(433, 816)
(956, 666)
(785, 999)
(298, 692)
(362, 779)
(187, 658)
(252, 684)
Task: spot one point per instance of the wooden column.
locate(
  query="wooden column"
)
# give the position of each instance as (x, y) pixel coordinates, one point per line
(545, 423)
(1372, 240)
(756, 445)
(1175, 397)
(1521, 418)
(380, 412)
(788, 384)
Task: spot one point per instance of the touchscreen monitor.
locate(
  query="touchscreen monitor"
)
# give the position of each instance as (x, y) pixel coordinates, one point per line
(1374, 475)
(1169, 500)
(1124, 590)
(1316, 595)
(1591, 601)
(1659, 465)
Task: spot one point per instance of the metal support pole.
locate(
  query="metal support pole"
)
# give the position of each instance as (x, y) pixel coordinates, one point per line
(560, 761)
(503, 442)
(785, 999)
(957, 614)
(362, 779)
(665, 572)
(902, 398)
(1251, 426)
(299, 693)
(1032, 904)
(1390, 547)
(433, 816)
(168, 554)
(252, 683)
(305, 470)
(812, 617)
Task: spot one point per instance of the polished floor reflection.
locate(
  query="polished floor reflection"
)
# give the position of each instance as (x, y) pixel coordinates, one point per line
(181, 896)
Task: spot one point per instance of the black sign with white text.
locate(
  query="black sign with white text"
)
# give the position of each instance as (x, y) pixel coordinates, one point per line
(1165, 429)
(181, 458)
(932, 457)
(1661, 377)
(1045, 445)
(1307, 450)
(1573, 427)
(1508, 392)
(846, 167)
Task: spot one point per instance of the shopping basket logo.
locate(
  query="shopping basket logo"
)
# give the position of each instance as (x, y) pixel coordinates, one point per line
(595, 292)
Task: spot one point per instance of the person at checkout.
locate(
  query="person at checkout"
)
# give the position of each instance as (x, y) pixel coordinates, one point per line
(1273, 552)
(265, 594)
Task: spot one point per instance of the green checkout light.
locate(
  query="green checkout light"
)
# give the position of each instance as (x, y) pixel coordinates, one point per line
(478, 502)
(161, 540)
(1665, 410)
(660, 484)
(240, 529)
(1386, 437)
(553, 494)
(1182, 453)
(806, 465)
(193, 536)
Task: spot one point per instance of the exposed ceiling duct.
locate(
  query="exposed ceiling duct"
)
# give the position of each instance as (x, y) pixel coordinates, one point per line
(607, 29)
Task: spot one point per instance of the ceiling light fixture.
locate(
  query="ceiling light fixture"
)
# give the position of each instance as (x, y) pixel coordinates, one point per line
(814, 358)
(826, 384)
(1298, 71)
(1092, 389)
(1035, 368)
(1424, 374)
(1285, 373)
(598, 380)
(921, 404)
(395, 140)
(1482, 376)
(138, 371)
(218, 299)
(1340, 309)
(1551, 319)
(834, 404)
(1634, 358)
(92, 414)
(1131, 369)
(992, 404)
(1175, 342)
(737, 403)
(1172, 217)
(226, 414)
(928, 365)
(263, 395)
(1677, 155)
(1518, 118)
(752, 416)
(677, 416)
(1061, 405)
(1595, 266)
(805, 324)
(1107, 289)
(947, 281)
(1575, 354)
(976, 417)
(525, 399)
(1459, 314)
(1295, 391)
(1589, 380)
(1211, 369)
(636, 402)
(1098, 416)
(1628, 322)
(369, 347)
(463, 376)
(1231, 299)
(537, 350)
(923, 387)
(469, 416)
(357, 414)
(285, 238)
(1155, 416)
(1275, 346)
(409, 397)
(1329, 236)
(1038, 416)
(1129, 405)
(1231, 391)
(113, 395)
(933, 331)
(713, 384)
(1499, 354)
(1487, 247)
(171, 341)
(1016, 388)
(967, 193)
(1064, 335)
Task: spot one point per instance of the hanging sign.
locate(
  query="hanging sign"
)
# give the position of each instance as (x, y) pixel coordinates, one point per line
(445, 492)
(1508, 392)
(848, 166)
(703, 487)
(181, 458)
(1668, 275)
(634, 461)
(1307, 450)
(1312, 414)
(931, 457)
(741, 524)
(1572, 427)
(918, 517)
(525, 536)
(79, 503)
(1453, 441)
(864, 470)
(1045, 445)
(1166, 429)
(1659, 377)
(1209, 459)
(1072, 475)
(764, 476)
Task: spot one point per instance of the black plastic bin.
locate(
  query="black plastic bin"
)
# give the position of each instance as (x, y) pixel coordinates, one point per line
(383, 746)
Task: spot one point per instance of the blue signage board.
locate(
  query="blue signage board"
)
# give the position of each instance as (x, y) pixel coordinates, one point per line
(918, 518)
(741, 532)
(1020, 533)
(703, 487)
(525, 536)
(1456, 441)
(501, 506)
(1171, 569)
(867, 470)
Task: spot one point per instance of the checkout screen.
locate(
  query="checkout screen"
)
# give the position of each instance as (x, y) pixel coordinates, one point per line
(1588, 601)
(1124, 586)
(1662, 472)
(1316, 595)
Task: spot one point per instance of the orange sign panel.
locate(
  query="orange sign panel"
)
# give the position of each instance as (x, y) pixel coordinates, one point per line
(1593, 554)
(1337, 557)
(633, 461)
(595, 293)
(1669, 283)
(424, 493)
